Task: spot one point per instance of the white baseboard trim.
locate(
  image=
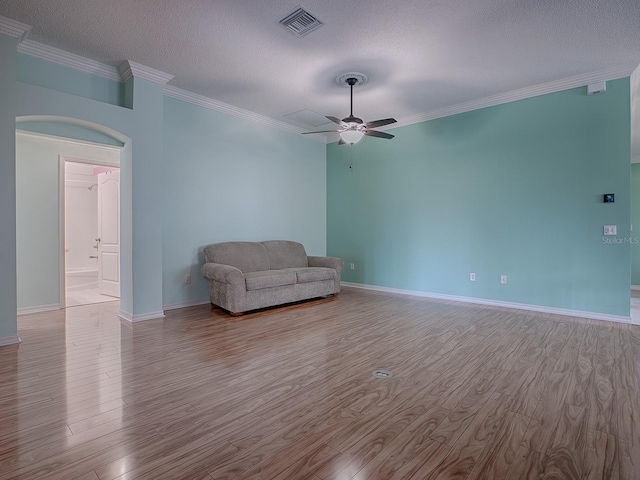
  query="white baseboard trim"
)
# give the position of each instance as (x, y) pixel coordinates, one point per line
(141, 317)
(496, 303)
(12, 340)
(38, 309)
(176, 306)
(635, 287)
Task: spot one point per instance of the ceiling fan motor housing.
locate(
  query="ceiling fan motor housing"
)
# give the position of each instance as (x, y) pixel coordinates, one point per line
(352, 119)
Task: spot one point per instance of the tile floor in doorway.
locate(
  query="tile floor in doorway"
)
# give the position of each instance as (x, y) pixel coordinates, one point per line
(89, 296)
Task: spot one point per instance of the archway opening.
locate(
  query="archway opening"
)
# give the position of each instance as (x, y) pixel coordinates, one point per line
(40, 199)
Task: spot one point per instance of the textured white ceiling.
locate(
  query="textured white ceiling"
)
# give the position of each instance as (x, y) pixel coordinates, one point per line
(419, 55)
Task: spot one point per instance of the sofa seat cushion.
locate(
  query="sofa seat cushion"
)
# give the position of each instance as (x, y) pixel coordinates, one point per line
(313, 274)
(269, 278)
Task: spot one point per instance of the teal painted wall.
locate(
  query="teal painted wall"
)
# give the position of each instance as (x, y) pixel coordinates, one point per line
(514, 190)
(8, 305)
(228, 179)
(635, 221)
(141, 179)
(43, 73)
(37, 231)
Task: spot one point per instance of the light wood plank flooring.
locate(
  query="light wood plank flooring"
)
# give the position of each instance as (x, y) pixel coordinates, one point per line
(477, 392)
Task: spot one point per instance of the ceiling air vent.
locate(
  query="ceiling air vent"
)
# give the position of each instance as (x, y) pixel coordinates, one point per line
(300, 22)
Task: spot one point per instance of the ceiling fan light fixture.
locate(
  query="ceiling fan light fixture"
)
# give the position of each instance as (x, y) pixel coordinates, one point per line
(351, 136)
(352, 128)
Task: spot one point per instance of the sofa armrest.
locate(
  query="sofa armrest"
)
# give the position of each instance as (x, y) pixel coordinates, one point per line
(222, 273)
(328, 262)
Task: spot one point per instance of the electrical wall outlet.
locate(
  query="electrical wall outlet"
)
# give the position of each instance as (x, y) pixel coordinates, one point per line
(472, 277)
(503, 279)
(187, 278)
(610, 229)
(352, 266)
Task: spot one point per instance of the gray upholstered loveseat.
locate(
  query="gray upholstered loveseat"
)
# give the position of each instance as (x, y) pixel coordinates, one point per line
(246, 276)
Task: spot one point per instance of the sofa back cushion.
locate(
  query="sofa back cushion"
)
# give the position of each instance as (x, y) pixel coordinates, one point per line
(285, 254)
(245, 256)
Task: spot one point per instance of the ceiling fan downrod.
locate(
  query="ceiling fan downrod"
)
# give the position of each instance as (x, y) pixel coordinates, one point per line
(351, 82)
(351, 119)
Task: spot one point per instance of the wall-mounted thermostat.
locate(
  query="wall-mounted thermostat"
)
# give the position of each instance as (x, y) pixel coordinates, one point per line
(609, 198)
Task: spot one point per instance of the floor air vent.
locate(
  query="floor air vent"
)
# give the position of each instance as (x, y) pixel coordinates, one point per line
(300, 22)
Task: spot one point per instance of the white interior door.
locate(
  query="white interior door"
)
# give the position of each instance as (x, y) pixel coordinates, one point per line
(109, 233)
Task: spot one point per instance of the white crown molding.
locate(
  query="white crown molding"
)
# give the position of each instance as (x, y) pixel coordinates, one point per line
(520, 94)
(39, 309)
(52, 54)
(206, 102)
(130, 69)
(13, 28)
(495, 303)
(9, 340)
(140, 318)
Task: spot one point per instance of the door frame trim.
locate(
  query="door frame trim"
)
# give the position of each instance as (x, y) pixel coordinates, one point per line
(62, 159)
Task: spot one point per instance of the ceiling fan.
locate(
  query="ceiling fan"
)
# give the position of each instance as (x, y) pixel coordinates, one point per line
(352, 129)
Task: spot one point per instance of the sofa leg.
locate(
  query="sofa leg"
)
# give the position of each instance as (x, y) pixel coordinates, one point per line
(335, 295)
(236, 314)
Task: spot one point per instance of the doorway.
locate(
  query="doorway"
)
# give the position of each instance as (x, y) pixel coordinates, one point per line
(41, 273)
(91, 225)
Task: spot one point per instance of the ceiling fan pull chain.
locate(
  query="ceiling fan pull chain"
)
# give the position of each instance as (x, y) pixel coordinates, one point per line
(351, 156)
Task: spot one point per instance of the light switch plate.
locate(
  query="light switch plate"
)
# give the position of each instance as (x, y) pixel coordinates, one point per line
(610, 229)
